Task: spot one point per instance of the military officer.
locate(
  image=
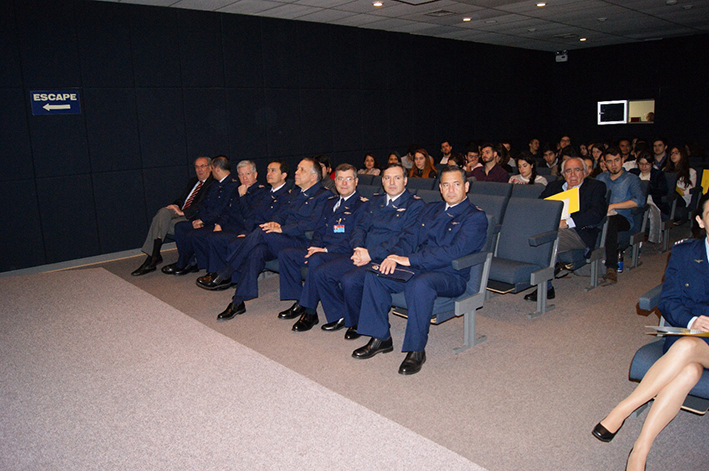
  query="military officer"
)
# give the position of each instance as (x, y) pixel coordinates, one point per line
(215, 203)
(331, 240)
(339, 282)
(287, 229)
(443, 232)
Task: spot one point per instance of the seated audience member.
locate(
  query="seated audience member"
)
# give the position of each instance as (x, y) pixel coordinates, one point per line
(503, 158)
(686, 176)
(288, 228)
(184, 208)
(595, 151)
(656, 190)
(394, 158)
(550, 160)
(423, 165)
(533, 149)
(457, 160)
(659, 149)
(490, 170)
(252, 204)
(626, 194)
(567, 152)
(215, 204)
(626, 154)
(581, 229)
(443, 232)
(684, 302)
(338, 284)
(472, 158)
(563, 143)
(588, 162)
(446, 150)
(408, 160)
(371, 166)
(331, 239)
(583, 150)
(326, 167)
(527, 166)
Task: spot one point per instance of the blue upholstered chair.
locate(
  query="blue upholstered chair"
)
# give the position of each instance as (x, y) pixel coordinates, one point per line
(670, 199)
(698, 399)
(526, 249)
(365, 179)
(527, 191)
(421, 184)
(491, 188)
(368, 190)
(429, 196)
(466, 304)
(493, 206)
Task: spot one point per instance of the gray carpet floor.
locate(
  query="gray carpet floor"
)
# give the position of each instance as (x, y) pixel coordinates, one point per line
(526, 399)
(98, 374)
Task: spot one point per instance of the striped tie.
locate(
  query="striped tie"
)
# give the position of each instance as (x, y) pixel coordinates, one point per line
(189, 201)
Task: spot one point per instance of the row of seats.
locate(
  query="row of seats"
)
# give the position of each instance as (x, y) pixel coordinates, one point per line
(432, 183)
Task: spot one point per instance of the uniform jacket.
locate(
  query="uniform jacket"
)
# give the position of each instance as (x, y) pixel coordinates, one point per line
(302, 211)
(235, 216)
(685, 292)
(381, 226)
(335, 228)
(216, 200)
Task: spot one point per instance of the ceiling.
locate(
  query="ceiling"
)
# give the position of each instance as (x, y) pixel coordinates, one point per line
(518, 23)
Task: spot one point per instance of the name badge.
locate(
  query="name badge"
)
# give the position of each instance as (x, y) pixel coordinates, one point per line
(339, 228)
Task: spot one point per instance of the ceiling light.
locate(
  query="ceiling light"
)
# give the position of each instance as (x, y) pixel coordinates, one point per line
(377, 4)
(582, 39)
(466, 19)
(541, 4)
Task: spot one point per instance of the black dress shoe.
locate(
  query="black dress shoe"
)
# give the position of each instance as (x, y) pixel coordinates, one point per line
(170, 269)
(373, 347)
(232, 311)
(292, 312)
(212, 282)
(533, 295)
(412, 363)
(601, 433)
(333, 326)
(147, 267)
(306, 322)
(352, 334)
(186, 270)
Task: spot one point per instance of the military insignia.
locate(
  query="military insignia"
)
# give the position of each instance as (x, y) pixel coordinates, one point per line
(416, 197)
(401, 209)
(454, 223)
(363, 199)
(347, 212)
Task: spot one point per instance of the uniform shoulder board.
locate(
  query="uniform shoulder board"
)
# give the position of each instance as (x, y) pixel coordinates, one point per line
(681, 242)
(479, 208)
(333, 197)
(416, 197)
(262, 186)
(363, 199)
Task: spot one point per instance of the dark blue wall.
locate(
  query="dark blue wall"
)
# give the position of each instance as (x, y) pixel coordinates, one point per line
(160, 87)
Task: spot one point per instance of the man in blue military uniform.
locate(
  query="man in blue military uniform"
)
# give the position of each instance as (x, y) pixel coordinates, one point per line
(338, 283)
(252, 205)
(443, 232)
(331, 240)
(288, 228)
(214, 204)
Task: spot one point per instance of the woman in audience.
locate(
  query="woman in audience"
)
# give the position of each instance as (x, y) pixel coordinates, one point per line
(371, 166)
(503, 158)
(595, 150)
(527, 166)
(684, 303)
(656, 190)
(423, 165)
(457, 159)
(686, 175)
(394, 158)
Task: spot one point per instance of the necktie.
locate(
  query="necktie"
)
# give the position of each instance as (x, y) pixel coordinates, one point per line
(192, 196)
(337, 205)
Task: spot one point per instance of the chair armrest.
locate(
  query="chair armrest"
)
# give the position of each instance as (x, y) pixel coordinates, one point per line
(469, 260)
(640, 209)
(543, 238)
(650, 300)
(540, 276)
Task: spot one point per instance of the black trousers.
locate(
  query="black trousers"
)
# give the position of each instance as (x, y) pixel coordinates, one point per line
(616, 224)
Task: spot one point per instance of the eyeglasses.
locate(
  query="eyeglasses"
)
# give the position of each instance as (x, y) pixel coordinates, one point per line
(344, 179)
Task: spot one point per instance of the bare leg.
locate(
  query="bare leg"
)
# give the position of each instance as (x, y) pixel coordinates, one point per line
(667, 403)
(685, 351)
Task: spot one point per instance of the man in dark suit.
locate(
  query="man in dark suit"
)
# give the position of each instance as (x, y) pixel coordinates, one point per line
(443, 232)
(287, 229)
(331, 241)
(184, 208)
(581, 229)
(214, 205)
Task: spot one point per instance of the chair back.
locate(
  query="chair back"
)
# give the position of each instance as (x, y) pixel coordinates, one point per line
(527, 191)
(421, 183)
(524, 218)
(365, 179)
(429, 196)
(491, 188)
(368, 190)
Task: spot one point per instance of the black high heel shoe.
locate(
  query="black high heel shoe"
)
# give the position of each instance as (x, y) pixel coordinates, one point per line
(601, 433)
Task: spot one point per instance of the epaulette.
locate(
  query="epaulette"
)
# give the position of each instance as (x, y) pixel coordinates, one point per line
(333, 196)
(363, 199)
(416, 197)
(262, 186)
(681, 242)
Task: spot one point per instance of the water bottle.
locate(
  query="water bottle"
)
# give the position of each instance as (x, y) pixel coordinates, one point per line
(620, 261)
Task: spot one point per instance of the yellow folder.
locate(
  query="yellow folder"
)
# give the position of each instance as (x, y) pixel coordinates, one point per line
(705, 181)
(570, 198)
